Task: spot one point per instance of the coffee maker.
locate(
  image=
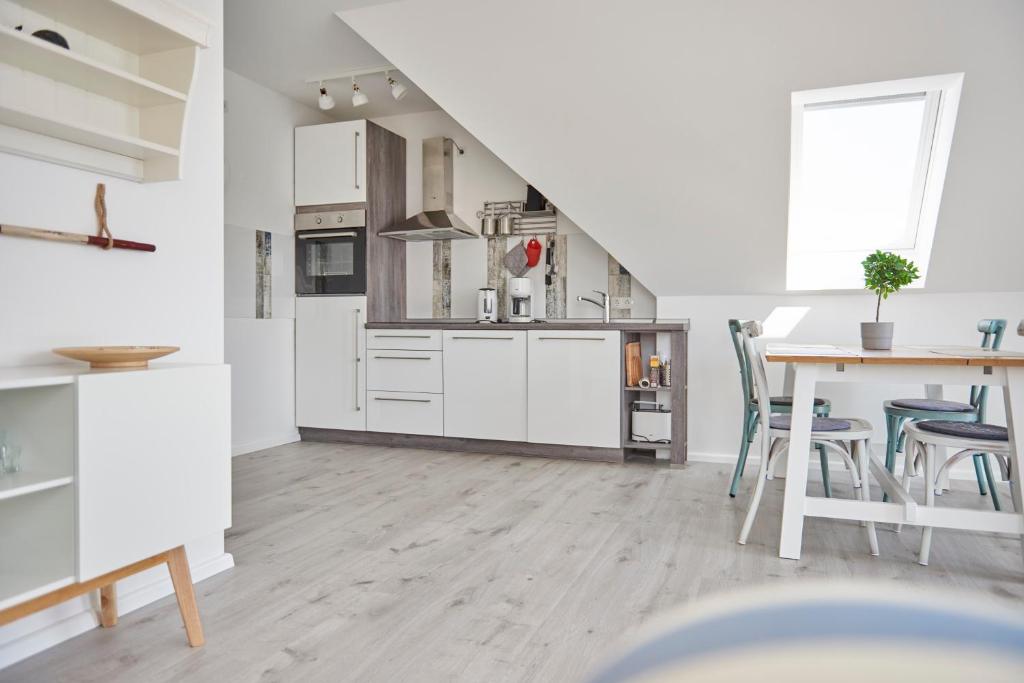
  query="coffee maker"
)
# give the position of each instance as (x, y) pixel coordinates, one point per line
(520, 300)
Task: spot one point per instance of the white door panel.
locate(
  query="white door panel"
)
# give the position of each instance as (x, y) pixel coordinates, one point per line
(154, 462)
(330, 372)
(574, 388)
(485, 385)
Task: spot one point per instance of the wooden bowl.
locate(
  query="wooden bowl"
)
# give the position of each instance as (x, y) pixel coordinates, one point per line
(116, 356)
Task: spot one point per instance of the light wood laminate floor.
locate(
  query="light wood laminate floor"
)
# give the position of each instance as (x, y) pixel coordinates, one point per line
(359, 563)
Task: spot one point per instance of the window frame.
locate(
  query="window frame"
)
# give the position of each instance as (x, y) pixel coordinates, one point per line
(942, 98)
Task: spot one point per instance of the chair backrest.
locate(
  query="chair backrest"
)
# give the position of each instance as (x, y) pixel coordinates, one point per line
(736, 334)
(991, 337)
(751, 330)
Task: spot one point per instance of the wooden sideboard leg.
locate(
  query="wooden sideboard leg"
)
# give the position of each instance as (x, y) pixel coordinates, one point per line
(181, 577)
(108, 605)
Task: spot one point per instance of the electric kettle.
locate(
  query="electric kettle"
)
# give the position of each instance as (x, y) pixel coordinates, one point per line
(487, 305)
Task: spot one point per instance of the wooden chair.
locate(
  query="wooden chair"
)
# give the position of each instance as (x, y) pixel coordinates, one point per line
(900, 411)
(849, 437)
(970, 438)
(779, 405)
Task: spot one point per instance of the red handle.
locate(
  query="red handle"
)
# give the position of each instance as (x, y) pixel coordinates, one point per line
(122, 244)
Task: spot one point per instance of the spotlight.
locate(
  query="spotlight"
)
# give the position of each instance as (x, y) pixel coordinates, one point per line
(397, 89)
(325, 101)
(358, 98)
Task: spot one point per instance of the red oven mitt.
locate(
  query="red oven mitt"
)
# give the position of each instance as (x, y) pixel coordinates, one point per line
(533, 251)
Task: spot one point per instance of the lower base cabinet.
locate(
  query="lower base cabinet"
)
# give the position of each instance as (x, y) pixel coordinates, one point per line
(485, 384)
(330, 371)
(574, 388)
(405, 412)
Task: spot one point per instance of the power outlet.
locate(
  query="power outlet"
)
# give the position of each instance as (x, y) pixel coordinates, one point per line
(622, 302)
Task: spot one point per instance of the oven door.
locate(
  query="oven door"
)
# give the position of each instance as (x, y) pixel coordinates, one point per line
(330, 262)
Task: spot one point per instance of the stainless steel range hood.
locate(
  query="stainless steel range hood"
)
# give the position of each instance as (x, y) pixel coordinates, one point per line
(437, 221)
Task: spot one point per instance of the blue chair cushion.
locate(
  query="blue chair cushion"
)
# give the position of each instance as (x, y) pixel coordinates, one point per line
(967, 430)
(934, 404)
(818, 424)
(788, 401)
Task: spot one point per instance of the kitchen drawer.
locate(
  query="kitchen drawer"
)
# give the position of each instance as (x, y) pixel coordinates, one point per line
(396, 370)
(405, 413)
(412, 340)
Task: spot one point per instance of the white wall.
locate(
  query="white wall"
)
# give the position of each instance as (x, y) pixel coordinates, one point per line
(663, 127)
(481, 176)
(258, 161)
(921, 318)
(67, 295)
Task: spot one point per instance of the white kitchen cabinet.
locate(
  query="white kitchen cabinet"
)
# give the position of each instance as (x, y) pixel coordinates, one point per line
(405, 412)
(409, 339)
(416, 371)
(330, 375)
(574, 388)
(485, 384)
(330, 163)
(119, 471)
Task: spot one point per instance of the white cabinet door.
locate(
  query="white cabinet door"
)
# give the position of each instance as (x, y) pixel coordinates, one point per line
(330, 372)
(330, 163)
(154, 462)
(574, 388)
(485, 384)
(405, 413)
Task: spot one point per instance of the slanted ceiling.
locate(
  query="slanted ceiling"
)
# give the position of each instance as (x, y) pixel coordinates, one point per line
(662, 127)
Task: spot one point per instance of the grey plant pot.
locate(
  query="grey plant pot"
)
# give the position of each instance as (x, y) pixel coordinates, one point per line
(876, 336)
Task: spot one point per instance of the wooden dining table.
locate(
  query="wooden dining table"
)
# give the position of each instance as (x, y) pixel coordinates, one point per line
(932, 366)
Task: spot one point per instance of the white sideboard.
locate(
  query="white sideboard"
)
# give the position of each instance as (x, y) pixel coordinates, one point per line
(118, 468)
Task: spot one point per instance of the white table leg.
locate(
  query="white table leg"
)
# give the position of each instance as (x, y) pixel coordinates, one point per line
(779, 467)
(796, 465)
(934, 393)
(1013, 397)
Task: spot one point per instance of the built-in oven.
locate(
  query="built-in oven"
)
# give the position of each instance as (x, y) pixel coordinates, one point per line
(330, 252)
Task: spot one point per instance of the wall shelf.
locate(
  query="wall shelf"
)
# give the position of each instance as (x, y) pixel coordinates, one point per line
(648, 390)
(645, 446)
(138, 26)
(65, 129)
(25, 51)
(24, 483)
(115, 102)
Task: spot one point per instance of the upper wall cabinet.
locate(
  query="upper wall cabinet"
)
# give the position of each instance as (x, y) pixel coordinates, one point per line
(115, 100)
(330, 163)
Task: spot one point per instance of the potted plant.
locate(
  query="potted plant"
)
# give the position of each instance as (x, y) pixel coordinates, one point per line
(885, 273)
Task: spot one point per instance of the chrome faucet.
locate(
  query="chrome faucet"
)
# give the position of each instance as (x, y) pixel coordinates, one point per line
(604, 303)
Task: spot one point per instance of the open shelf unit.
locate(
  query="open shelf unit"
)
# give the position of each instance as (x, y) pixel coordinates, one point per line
(116, 101)
(37, 504)
(672, 344)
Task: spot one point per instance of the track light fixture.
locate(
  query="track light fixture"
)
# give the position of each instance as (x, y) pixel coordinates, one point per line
(325, 101)
(397, 89)
(358, 98)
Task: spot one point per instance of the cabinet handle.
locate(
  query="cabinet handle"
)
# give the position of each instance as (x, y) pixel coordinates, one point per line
(487, 338)
(403, 400)
(358, 359)
(355, 159)
(571, 338)
(321, 235)
(402, 336)
(402, 357)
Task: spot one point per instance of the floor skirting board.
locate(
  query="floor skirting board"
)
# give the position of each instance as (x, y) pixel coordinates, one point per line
(450, 443)
(268, 442)
(74, 617)
(961, 471)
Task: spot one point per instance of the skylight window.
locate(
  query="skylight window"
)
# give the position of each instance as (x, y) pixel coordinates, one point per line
(867, 168)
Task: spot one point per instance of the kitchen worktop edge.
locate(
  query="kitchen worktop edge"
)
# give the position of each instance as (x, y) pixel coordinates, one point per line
(668, 326)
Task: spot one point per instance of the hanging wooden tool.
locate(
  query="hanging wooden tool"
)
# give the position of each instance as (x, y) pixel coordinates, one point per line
(103, 239)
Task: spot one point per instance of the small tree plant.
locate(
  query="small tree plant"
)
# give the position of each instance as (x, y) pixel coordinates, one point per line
(886, 273)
